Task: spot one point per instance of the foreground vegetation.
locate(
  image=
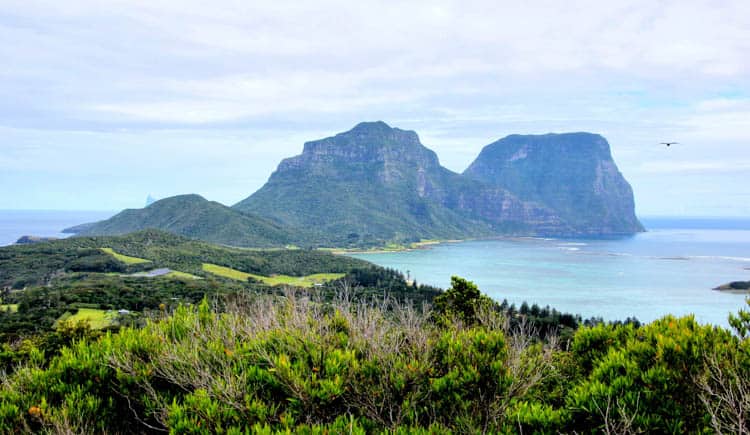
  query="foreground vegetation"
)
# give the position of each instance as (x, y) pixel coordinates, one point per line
(273, 364)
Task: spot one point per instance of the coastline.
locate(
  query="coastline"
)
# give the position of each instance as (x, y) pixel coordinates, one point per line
(424, 244)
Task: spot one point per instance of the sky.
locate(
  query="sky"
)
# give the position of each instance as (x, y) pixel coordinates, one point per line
(104, 103)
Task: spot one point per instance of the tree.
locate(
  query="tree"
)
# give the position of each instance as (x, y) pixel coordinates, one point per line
(461, 300)
(741, 321)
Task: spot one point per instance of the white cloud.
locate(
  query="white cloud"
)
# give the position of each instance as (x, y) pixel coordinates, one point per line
(181, 76)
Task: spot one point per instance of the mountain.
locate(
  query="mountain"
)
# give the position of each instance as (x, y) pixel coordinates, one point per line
(572, 173)
(150, 200)
(369, 185)
(375, 184)
(195, 217)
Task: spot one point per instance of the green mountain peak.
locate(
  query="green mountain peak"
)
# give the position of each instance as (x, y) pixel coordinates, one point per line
(193, 216)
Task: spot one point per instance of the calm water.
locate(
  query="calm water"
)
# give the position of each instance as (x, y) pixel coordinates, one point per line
(45, 223)
(670, 269)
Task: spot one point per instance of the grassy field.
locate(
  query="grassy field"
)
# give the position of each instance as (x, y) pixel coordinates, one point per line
(97, 319)
(183, 275)
(298, 281)
(226, 272)
(9, 307)
(124, 258)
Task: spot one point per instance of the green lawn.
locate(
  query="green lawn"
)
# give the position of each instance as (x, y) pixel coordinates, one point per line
(97, 319)
(298, 281)
(9, 307)
(124, 258)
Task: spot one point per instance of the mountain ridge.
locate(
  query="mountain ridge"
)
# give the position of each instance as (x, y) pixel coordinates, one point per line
(376, 184)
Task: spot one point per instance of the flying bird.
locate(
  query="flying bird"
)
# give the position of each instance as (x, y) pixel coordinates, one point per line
(669, 143)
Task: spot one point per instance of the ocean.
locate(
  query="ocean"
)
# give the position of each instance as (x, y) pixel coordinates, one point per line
(671, 269)
(45, 223)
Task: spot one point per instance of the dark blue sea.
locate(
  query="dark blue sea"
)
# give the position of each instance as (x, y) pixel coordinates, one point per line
(672, 268)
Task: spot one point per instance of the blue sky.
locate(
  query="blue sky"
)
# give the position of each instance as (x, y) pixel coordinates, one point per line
(102, 103)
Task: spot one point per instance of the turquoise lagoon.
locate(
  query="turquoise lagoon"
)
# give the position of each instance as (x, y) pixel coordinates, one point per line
(672, 268)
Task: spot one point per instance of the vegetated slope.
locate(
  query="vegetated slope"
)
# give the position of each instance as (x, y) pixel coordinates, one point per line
(374, 184)
(40, 263)
(195, 217)
(572, 173)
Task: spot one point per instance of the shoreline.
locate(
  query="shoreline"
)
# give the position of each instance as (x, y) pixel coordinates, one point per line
(426, 244)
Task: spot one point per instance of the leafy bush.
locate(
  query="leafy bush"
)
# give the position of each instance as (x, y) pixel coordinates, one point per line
(282, 364)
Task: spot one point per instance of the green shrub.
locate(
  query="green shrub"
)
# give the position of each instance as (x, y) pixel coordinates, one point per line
(648, 383)
(295, 365)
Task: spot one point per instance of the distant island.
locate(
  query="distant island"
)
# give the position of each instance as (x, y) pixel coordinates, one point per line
(734, 285)
(375, 185)
(26, 240)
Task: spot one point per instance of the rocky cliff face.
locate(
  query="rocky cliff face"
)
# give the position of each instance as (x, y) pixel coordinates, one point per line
(571, 174)
(375, 183)
(368, 185)
(381, 154)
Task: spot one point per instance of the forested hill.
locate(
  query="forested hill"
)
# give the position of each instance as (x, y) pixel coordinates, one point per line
(194, 216)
